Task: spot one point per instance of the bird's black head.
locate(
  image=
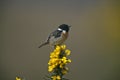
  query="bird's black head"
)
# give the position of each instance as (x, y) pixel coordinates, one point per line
(64, 27)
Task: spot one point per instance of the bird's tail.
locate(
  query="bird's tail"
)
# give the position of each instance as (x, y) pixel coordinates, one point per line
(43, 44)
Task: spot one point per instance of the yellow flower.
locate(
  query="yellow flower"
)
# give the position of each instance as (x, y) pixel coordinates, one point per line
(57, 53)
(18, 78)
(58, 59)
(53, 77)
(50, 68)
(67, 52)
(63, 47)
(64, 71)
(64, 60)
(58, 48)
(52, 55)
(61, 65)
(68, 60)
(56, 77)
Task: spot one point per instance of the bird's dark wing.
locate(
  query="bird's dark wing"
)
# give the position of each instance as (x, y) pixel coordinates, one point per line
(55, 34)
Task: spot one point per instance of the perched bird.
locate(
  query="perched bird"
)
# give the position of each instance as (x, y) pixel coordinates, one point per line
(58, 36)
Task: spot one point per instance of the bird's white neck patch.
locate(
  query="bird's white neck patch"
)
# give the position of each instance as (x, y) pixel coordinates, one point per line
(64, 31)
(59, 29)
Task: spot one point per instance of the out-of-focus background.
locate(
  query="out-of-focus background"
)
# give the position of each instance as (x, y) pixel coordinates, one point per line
(94, 37)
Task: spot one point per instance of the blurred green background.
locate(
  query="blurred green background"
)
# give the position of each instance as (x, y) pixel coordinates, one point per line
(94, 37)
